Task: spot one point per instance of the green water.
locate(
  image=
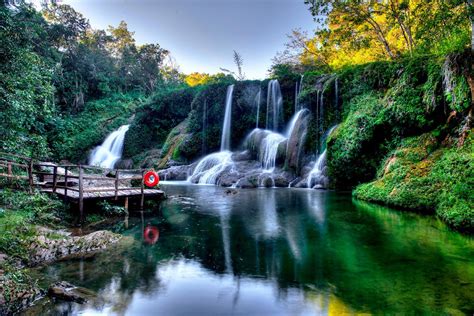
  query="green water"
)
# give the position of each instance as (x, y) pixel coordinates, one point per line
(272, 252)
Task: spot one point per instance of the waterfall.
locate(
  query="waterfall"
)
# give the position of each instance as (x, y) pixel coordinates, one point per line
(107, 154)
(226, 127)
(274, 105)
(258, 98)
(267, 143)
(210, 167)
(269, 150)
(317, 177)
(298, 86)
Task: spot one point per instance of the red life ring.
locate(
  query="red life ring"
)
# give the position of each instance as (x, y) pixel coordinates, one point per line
(151, 235)
(151, 179)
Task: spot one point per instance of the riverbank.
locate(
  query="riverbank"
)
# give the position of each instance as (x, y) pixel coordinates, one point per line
(33, 233)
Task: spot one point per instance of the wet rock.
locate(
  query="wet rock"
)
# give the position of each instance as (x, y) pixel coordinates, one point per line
(67, 292)
(242, 156)
(177, 173)
(45, 249)
(124, 164)
(248, 182)
(230, 192)
(296, 141)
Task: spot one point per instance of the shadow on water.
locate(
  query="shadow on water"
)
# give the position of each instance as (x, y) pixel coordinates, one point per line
(275, 251)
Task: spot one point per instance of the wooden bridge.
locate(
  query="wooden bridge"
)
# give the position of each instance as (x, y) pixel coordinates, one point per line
(77, 183)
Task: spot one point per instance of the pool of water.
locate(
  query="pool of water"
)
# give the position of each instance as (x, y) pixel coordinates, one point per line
(273, 252)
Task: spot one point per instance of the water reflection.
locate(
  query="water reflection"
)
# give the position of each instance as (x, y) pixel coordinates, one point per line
(276, 251)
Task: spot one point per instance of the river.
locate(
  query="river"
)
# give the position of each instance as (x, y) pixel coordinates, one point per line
(273, 252)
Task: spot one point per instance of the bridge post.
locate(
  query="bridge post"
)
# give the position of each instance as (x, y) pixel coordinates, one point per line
(55, 178)
(30, 173)
(116, 184)
(9, 168)
(81, 195)
(65, 182)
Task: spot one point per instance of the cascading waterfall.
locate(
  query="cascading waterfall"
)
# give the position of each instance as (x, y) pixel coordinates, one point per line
(298, 87)
(226, 127)
(210, 167)
(269, 150)
(107, 154)
(258, 99)
(274, 105)
(268, 142)
(317, 177)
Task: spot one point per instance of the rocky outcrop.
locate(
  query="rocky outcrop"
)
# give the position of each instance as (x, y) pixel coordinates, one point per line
(47, 248)
(295, 143)
(177, 173)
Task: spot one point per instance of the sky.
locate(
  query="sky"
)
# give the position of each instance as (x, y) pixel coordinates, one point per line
(202, 34)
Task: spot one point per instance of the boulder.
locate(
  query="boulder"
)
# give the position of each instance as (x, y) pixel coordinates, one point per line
(124, 164)
(45, 249)
(67, 292)
(296, 140)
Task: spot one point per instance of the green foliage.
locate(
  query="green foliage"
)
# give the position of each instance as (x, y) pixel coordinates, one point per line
(424, 176)
(112, 210)
(383, 103)
(70, 135)
(154, 120)
(26, 92)
(21, 212)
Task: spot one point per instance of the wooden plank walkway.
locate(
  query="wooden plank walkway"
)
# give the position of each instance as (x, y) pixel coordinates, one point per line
(124, 192)
(78, 182)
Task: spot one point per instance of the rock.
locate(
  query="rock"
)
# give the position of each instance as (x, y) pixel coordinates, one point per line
(230, 192)
(45, 250)
(67, 292)
(247, 182)
(124, 164)
(296, 141)
(177, 173)
(242, 156)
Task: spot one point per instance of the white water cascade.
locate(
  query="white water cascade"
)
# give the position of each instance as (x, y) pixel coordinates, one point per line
(226, 127)
(298, 86)
(317, 177)
(107, 154)
(269, 150)
(268, 142)
(274, 105)
(211, 166)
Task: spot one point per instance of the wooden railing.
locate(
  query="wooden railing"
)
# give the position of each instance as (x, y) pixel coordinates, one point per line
(18, 167)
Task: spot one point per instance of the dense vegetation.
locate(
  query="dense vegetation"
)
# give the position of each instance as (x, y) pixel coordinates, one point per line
(397, 76)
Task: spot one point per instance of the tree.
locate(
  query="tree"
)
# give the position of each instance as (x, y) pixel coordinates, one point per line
(26, 92)
(150, 61)
(196, 78)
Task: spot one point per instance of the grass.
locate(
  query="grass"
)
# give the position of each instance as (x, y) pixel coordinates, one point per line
(20, 213)
(431, 178)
